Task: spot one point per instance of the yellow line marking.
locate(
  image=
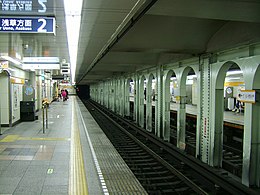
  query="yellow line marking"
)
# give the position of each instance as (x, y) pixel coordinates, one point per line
(10, 138)
(44, 138)
(13, 138)
(233, 84)
(78, 183)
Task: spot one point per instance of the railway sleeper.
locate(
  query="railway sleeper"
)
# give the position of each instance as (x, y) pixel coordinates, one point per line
(129, 149)
(163, 172)
(146, 158)
(141, 164)
(235, 165)
(130, 146)
(159, 178)
(235, 160)
(235, 157)
(232, 168)
(228, 153)
(150, 169)
(177, 186)
(134, 153)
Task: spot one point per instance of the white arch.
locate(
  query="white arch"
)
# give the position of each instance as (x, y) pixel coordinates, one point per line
(149, 95)
(166, 106)
(141, 101)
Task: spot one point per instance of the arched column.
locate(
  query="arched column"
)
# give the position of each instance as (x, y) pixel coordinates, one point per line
(166, 106)
(149, 105)
(251, 144)
(141, 101)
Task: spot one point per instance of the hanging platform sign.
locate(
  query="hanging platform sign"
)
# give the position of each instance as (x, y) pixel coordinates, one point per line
(28, 24)
(50, 63)
(247, 96)
(32, 7)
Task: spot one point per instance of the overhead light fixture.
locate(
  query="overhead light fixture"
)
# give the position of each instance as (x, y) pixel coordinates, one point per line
(190, 77)
(73, 18)
(234, 72)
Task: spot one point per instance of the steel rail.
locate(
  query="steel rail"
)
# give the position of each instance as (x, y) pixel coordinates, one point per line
(227, 183)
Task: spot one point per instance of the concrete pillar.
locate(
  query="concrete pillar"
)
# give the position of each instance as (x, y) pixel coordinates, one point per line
(205, 94)
(159, 102)
(166, 107)
(149, 104)
(137, 94)
(141, 102)
(127, 98)
(181, 122)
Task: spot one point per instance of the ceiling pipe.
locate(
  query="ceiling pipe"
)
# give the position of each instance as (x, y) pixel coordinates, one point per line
(140, 8)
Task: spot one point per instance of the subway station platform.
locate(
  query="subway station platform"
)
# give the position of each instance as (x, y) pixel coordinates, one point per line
(73, 156)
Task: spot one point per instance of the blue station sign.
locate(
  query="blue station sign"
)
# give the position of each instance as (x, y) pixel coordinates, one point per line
(28, 24)
(13, 7)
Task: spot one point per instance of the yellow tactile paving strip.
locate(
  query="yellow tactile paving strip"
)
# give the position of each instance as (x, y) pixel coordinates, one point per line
(13, 138)
(10, 138)
(78, 183)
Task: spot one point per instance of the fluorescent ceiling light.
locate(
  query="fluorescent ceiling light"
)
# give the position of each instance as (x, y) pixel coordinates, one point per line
(73, 18)
(190, 77)
(234, 72)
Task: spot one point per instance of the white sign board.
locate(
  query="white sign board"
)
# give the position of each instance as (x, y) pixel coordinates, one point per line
(41, 66)
(51, 63)
(41, 59)
(247, 96)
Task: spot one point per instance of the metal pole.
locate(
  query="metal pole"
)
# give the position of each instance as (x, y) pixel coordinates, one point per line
(0, 119)
(46, 106)
(43, 120)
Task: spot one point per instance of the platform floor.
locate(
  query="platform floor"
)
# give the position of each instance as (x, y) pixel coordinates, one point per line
(73, 156)
(229, 116)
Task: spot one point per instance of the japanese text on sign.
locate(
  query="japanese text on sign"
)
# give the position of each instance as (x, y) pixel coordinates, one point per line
(16, 24)
(247, 96)
(29, 25)
(19, 6)
(16, 5)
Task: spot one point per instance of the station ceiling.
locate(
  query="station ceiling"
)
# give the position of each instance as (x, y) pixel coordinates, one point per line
(121, 36)
(118, 36)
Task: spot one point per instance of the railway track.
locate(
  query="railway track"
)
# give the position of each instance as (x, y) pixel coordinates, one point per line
(232, 152)
(232, 157)
(159, 167)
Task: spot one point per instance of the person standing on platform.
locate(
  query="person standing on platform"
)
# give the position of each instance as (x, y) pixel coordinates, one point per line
(59, 95)
(67, 94)
(64, 94)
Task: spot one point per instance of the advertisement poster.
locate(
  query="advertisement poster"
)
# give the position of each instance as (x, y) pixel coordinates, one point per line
(15, 97)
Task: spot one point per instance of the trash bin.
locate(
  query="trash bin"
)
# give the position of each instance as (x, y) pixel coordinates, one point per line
(27, 110)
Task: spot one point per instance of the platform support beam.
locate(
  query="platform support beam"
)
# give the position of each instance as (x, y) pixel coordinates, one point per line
(166, 106)
(181, 122)
(141, 101)
(121, 97)
(127, 98)
(251, 145)
(251, 161)
(159, 102)
(136, 106)
(205, 109)
(149, 95)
